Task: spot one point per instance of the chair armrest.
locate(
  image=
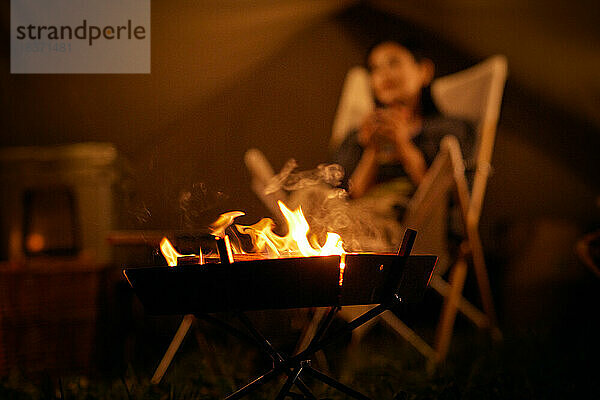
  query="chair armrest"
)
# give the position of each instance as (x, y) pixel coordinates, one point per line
(447, 170)
(261, 173)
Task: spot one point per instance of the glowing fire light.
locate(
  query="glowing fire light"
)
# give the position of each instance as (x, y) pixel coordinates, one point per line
(218, 227)
(296, 242)
(342, 267)
(171, 255)
(169, 252)
(266, 242)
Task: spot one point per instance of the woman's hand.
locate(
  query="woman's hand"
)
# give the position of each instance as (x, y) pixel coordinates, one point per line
(387, 133)
(394, 125)
(389, 126)
(367, 135)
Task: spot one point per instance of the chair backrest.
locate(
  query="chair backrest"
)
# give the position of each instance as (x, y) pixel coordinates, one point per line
(475, 94)
(261, 173)
(356, 102)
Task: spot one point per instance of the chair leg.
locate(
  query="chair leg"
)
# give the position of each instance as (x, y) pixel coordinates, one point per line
(449, 309)
(479, 318)
(308, 333)
(409, 335)
(350, 313)
(483, 282)
(311, 328)
(208, 350)
(183, 329)
(396, 325)
(353, 351)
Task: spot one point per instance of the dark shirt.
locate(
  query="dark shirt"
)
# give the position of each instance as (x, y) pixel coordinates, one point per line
(434, 128)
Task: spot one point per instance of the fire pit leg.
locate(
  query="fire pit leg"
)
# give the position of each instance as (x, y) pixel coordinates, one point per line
(280, 363)
(266, 346)
(323, 327)
(335, 384)
(304, 389)
(238, 394)
(285, 389)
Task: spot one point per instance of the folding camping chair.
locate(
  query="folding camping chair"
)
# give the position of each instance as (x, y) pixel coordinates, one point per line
(475, 95)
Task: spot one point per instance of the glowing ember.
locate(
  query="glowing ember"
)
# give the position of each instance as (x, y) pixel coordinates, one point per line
(342, 267)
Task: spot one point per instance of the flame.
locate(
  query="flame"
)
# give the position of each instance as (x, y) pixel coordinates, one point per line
(296, 242)
(263, 238)
(218, 227)
(171, 255)
(169, 252)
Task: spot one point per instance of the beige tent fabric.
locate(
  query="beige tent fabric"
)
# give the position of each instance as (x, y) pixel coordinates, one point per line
(229, 38)
(552, 45)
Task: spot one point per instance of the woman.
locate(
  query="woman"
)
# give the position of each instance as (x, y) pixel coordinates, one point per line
(387, 157)
(390, 153)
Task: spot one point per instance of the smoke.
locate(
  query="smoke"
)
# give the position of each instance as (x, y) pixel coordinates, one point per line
(286, 179)
(198, 206)
(366, 224)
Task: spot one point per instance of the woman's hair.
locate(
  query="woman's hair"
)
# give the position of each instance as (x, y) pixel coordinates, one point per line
(410, 43)
(428, 107)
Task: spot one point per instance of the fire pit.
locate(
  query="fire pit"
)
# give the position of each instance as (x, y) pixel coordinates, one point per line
(279, 283)
(334, 281)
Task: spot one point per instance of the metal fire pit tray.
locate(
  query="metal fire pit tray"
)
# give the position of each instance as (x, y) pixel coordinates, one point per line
(278, 283)
(240, 286)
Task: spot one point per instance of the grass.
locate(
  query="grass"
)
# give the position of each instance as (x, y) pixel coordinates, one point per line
(557, 360)
(531, 365)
